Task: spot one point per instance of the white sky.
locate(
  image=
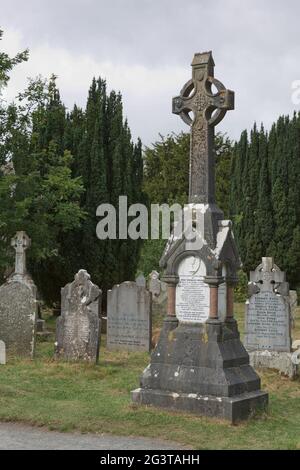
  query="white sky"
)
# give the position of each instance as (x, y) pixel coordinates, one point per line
(144, 49)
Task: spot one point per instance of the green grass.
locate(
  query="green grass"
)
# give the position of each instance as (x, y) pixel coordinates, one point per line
(96, 398)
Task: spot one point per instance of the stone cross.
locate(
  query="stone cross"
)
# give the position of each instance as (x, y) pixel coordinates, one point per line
(268, 277)
(208, 110)
(21, 242)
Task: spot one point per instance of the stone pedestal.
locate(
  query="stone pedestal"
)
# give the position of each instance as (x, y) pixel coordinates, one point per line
(203, 369)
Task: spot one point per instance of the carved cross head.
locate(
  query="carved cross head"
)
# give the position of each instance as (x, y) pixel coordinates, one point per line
(268, 277)
(197, 96)
(82, 292)
(20, 242)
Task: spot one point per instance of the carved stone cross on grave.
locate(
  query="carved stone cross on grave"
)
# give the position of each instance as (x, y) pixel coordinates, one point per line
(20, 243)
(268, 278)
(208, 110)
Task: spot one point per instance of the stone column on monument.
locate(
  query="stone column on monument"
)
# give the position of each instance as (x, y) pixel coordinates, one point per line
(213, 282)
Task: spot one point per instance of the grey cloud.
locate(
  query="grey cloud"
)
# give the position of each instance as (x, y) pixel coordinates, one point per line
(255, 44)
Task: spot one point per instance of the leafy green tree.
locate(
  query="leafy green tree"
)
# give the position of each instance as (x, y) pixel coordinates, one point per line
(264, 201)
(110, 165)
(42, 197)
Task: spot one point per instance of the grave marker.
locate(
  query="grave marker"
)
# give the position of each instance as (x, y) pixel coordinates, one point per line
(18, 304)
(78, 327)
(129, 317)
(268, 319)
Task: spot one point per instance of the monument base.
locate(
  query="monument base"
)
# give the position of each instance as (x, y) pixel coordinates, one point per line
(281, 361)
(203, 369)
(233, 409)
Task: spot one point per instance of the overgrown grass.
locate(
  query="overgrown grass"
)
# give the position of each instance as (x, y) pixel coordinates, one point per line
(96, 398)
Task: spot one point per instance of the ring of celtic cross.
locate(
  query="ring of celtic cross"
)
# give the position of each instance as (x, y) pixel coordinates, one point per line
(213, 106)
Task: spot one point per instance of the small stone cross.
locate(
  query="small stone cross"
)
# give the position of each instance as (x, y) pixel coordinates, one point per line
(269, 278)
(21, 242)
(208, 110)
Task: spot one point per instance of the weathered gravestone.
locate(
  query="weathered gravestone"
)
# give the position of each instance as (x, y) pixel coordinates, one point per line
(2, 353)
(154, 284)
(268, 319)
(18, 304)
(199, 364)
(141, 280)
(158, 290)
(129, 319)
(78, 327)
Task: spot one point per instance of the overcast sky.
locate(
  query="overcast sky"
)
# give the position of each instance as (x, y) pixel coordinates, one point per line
(144, 49)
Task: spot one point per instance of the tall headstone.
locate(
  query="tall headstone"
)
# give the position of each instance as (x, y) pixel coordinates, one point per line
(268, 319)
(129, 317)
(18, 304)
(199, 364)
(78, 327)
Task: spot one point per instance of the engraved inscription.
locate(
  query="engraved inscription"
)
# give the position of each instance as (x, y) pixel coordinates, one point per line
(267, 322)
(192, 294)
(129, 317)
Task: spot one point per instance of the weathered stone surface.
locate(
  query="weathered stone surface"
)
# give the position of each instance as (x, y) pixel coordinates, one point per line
(267, 323)
(281, 361)
(233, 409)
(141, 280)
(18, 304)
(154, 284)
(78, 327)
(2, 353)
(40, 325)
(293, 299)
(129, 318)
(267, 319)
(196, 97)
(21, 242)
(18, 310)
(158, 290)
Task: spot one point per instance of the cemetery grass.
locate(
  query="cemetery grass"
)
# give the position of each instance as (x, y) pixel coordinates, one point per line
(96, 398)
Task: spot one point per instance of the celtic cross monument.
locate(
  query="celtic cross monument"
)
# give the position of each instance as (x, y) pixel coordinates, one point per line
(199, 364)
(21, 242)
(18, 304)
